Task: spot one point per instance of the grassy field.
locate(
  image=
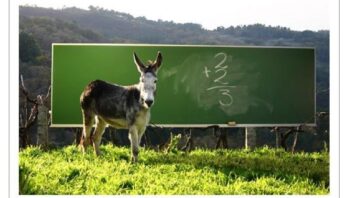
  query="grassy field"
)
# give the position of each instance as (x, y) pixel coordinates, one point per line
(210, 172)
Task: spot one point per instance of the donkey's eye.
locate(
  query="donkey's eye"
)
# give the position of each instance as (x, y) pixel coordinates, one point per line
(155, 81)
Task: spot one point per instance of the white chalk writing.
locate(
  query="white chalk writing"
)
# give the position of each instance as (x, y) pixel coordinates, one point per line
(219, 79)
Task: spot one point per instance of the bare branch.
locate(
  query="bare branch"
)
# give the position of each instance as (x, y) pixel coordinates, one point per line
(25, 92)
(26, 112)
(33, 116)
(22, 83)
(295, 141)
(20, 120)
(48, 93)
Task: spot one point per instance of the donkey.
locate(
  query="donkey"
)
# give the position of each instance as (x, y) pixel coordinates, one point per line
(119, 106)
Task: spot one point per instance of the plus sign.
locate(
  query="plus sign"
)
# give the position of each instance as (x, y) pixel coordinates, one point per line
(206, 72)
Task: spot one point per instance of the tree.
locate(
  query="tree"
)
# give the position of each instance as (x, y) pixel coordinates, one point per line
(28, 48)
(38, 113)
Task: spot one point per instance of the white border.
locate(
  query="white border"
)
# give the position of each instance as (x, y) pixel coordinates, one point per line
(334, 101)
(344, 72)
(312, 122)
(4, 86)
(14, 98)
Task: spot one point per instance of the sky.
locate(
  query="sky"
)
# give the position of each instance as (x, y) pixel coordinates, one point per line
(295, 14)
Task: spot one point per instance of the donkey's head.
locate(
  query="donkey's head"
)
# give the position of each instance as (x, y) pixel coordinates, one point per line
(148, 79)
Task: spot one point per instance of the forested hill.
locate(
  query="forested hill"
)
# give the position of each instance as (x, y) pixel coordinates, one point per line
(39, 27)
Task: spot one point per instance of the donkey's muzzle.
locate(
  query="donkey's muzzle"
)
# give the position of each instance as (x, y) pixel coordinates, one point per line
(149, 103)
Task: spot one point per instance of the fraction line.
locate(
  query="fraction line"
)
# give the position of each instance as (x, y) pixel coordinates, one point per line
(218, 87)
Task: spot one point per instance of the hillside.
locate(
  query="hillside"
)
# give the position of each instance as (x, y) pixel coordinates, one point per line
(98, 25)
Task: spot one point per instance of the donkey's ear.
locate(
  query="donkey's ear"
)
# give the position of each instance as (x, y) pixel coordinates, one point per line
(158, 61)
(139, 64)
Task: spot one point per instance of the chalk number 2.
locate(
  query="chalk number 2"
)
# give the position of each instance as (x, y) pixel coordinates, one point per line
(227, 100)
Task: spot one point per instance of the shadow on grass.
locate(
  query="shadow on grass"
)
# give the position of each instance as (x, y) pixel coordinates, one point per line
(288, 168)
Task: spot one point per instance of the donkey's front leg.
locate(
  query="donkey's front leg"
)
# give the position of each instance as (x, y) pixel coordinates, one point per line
(141, 131)
(134, 141)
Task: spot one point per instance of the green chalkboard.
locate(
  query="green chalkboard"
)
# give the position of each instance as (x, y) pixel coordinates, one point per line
(197, 85)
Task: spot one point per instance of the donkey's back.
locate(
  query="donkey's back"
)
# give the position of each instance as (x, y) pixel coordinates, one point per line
(108, 100)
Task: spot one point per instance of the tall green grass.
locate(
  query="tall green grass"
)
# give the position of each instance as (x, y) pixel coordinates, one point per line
(236, 172)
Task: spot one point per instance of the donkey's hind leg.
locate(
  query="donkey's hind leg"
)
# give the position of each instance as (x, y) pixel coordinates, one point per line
(88, 121)
(97, 136)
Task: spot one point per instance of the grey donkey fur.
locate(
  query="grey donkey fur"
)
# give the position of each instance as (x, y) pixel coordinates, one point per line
(125, 107)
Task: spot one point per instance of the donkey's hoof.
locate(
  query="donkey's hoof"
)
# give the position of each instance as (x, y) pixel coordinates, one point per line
(134, 160)
(81, 148)
(98, 153)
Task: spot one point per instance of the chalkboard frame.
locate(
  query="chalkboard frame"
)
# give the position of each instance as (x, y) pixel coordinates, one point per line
(311, 123)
